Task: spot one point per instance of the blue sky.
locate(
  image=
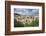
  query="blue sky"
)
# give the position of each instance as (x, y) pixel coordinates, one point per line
(26, 11)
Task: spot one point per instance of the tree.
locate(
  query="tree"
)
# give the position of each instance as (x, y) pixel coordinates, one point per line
(18, 24)
(35, 23)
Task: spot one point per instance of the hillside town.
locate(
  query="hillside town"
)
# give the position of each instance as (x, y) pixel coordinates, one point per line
(25, 19)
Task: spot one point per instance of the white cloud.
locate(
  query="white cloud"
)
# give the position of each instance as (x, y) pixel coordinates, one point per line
(26, 12)
(34, 10)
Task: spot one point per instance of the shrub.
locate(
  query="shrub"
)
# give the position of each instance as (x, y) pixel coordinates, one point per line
(18, 24)
(35, 23)
(32, 24)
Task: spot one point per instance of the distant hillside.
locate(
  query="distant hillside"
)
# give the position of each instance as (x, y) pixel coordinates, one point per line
(33, 14)
(16, 14)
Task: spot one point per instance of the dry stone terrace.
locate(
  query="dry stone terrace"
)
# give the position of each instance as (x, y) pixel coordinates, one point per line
(24, 19)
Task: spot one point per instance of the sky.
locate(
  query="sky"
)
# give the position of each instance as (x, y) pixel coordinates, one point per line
(26, 11)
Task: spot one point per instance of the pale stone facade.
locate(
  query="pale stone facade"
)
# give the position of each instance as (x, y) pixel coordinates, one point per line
(25, 19)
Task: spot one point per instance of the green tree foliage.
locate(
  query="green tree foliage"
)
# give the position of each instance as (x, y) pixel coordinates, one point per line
(26, 25)
(35, 23)
(18, 24)
(32, 24)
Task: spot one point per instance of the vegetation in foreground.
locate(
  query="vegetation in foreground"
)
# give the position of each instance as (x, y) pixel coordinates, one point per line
(20, 24)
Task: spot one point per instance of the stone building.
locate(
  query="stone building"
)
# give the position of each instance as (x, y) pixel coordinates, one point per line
(25, 19)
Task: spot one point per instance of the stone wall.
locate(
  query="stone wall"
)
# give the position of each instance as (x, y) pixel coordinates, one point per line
(25, 19)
